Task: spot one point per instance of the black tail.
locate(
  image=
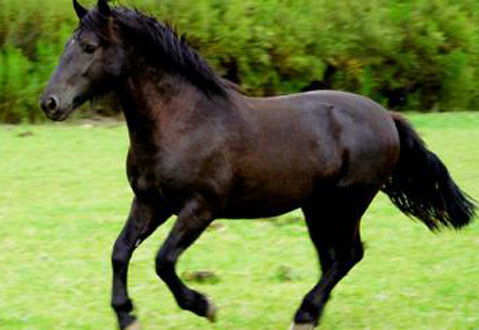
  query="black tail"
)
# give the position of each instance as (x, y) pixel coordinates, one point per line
(422, 187)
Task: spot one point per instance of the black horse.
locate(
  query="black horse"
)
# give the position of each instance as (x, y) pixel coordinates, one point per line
(201, 150)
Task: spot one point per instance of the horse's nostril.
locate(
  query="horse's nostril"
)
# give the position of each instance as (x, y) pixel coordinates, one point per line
(52, 103)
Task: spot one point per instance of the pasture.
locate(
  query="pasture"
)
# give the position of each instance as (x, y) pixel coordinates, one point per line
(64, 198)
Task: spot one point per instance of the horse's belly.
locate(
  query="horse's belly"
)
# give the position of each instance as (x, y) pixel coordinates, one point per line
(257, 209)
(280, 179)
(269, 195)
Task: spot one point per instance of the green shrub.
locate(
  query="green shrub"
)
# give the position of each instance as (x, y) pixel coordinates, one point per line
(14, 79)
(406, 54)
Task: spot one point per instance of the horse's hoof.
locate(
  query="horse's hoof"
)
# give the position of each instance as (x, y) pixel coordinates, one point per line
(211, 311)
(303, 326)
(134, 326)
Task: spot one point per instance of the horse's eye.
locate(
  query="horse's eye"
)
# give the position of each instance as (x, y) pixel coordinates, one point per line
(89, 49)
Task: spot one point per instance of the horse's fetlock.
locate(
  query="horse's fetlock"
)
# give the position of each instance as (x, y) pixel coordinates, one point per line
(194, 302)
(122, 305)
(307, 313)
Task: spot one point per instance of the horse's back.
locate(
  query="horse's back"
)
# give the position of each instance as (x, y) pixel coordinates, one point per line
(362, 106)
(354, 138)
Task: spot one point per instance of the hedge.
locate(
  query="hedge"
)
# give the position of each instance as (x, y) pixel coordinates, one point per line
(406, 54)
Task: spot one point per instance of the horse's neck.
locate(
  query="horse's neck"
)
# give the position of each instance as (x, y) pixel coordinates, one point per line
(155, 107)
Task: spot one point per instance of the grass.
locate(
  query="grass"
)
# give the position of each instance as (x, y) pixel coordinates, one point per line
(64, 197)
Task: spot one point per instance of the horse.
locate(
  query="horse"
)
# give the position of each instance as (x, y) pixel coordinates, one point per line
(201, 150)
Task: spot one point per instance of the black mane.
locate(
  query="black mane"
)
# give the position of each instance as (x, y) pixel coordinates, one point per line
(160, 45)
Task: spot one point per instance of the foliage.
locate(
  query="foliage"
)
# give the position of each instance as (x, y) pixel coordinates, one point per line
(406, 54)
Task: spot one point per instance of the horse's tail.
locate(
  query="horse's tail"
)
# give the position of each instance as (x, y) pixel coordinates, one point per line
(422, 187)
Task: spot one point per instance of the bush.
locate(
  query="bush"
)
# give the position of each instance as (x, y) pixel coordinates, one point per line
(406, 54)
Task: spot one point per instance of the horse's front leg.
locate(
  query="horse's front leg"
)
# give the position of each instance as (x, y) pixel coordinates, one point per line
(192, 220)
(141, 223)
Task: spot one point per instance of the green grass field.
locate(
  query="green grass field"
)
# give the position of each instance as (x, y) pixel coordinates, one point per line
(64, 197)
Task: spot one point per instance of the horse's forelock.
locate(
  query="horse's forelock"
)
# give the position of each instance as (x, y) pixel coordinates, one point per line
(97, 23)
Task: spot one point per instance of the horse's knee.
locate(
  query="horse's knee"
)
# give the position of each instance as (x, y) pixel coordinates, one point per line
(163, 265)
(118, 258)
(120, 255)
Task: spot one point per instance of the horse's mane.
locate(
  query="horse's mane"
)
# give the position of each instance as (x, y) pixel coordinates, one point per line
(161, 46)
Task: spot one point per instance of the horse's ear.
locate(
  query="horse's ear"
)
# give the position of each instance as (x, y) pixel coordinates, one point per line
(104, 8)
(79, 9)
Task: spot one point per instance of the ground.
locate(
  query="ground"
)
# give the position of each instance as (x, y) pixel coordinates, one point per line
(64, 197)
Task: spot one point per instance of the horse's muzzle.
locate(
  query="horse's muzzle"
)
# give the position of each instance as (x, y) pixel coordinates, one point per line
(51, 107)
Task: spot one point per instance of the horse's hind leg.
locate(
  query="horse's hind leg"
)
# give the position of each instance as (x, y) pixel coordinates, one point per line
(333, 224)
(141, 223)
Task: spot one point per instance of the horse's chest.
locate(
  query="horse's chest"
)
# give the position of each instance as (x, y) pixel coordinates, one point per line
(151, 181)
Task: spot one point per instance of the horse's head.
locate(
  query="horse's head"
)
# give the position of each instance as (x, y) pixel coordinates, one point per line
(91, 63)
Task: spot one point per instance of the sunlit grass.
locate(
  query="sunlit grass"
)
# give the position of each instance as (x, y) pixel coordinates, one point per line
(64, 197)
